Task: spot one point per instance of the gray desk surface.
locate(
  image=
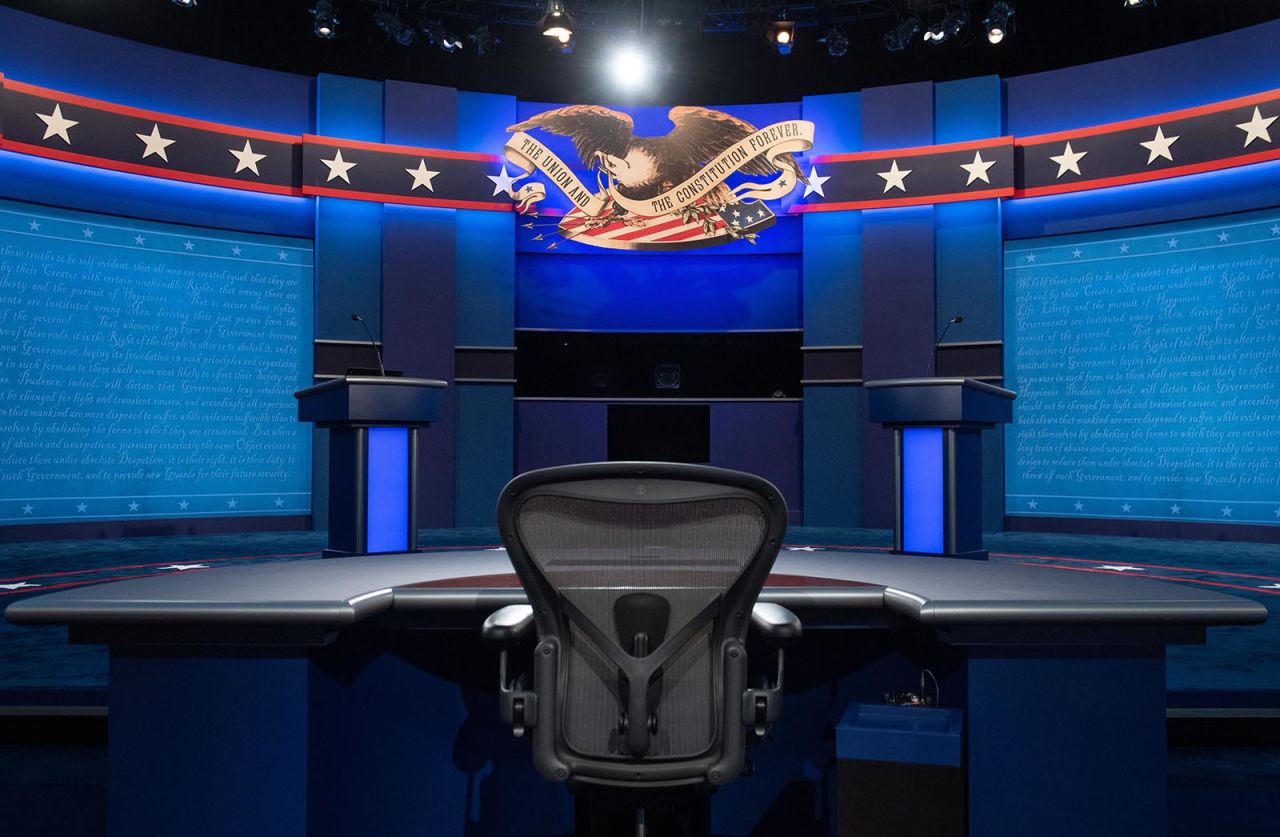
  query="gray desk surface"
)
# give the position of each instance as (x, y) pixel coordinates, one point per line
(334, 593)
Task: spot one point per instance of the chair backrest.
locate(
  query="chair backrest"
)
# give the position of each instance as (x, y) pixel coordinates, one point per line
(642, 576)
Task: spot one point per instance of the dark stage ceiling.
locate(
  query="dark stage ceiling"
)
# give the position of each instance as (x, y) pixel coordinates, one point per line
(708, 52)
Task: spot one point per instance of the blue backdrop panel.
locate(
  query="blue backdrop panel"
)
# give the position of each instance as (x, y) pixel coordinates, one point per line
(1148, 366)
(833, 418)
(762, 438)
(147, 369)
(632, 292)
(552, 433)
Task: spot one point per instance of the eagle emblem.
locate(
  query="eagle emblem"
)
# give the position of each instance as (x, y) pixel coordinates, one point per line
(659, 192)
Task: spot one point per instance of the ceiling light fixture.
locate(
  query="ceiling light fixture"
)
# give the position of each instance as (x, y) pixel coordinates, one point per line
(326, 20)
(999, 22)
(900, 36)
(556, 22)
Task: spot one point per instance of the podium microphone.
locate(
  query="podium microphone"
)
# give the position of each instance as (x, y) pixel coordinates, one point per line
(374, 343)
(937, 344)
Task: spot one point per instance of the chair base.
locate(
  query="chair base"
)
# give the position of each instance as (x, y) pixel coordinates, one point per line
(608, 812)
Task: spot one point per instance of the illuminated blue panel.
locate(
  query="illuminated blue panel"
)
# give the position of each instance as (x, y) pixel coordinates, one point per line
(922, 515)
(388, 490)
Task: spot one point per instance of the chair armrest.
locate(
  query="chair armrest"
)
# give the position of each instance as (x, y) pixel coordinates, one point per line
(774, 622)
(507, 625)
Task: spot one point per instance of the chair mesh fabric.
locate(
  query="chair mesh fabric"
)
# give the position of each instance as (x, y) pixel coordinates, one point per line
(593, 552)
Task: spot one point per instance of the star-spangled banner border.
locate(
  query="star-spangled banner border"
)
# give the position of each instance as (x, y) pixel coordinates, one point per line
(1226, 134)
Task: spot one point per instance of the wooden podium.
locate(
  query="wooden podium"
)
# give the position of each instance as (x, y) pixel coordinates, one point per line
(373, 425)
(937, 428)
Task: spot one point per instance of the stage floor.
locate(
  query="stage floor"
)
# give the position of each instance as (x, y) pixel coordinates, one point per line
(1238, 667)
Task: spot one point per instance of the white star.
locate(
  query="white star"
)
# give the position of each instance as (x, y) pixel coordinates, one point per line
(18, 586)
(1079, 506)
(235, 251)
(28, 508)
(87, 233)
(1277, 511)
(803, 549)
(1173, 243)
(1159, 147)
(183, 505)
(1260, 586)
(1226, 511)
(279, 502)
(1031, 504)
(182, 567)
(56, 125)
(1068, 161)
(894, 178)
(501, 182)
(155, 144)
(1275, 229)
(1031, 258)
(1124, 248)
(188, 246)
(1223, 236)
(1077, 253)
(977, 169)
(815, 183)
(422, 176)
(82, 507)
(1126, 508)
(246, 159)
(133, 506)
(1255, 128)
(282, 255)
(34, 225)
(1119, 568)
(139, 239)
(338, 167)
(231, 504)
(1175, 509)
(736, 213)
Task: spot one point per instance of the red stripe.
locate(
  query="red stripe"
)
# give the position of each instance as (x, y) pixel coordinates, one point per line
(1145, 121)
(45, 588)
(950, 197)
(1136, 564)
(157, 564)
(153, 171)
(648, 231)
(1145, 176)
(1156, 577)
(154, 116)
(683, 235)
(605, 230)
(448, 203)
(912, 152)
(415, 151)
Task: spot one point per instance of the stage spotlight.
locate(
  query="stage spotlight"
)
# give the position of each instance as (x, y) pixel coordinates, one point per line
(1137, 4)
(326, 20)
(782, 34)
(484, 40)
(837, 41)
(999, 22)
(186, 4)
(556, 22)
(899, 37)
(630, 67)
(449, 42)
(394, 28)
(948, 28)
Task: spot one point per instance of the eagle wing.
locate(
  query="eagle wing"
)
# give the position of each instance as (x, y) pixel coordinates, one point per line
(591, 127)
(701, 134)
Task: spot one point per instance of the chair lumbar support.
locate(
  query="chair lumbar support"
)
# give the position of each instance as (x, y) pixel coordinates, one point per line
(778, 626)
(505, 628)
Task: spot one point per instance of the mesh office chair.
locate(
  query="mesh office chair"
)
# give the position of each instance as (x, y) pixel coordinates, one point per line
(642, 579)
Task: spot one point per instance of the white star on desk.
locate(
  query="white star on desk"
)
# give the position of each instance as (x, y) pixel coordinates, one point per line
(501, 182)
(56, 125)
(189, 246)
(422, 176)
(894, 178)
(1126, 508)
(977, 169)
(1255, 128)
(82, 507)
(803, 549)
(33, 225)
(231, 504)
(1077, 253)
(1119, 568)
(279, 502)
(133, 506)
(155, 144)
(1260, 586)
(815, 183)
(1226, 511)
(28, 508)
(338, 167)
(1078, 506)
(183, 505)
(1173, 243)
(17, 586)
(1031, 504)
(1175, 509)
(1068, 161)
(183, 567)
(247, 159)
(1159, 147)
(139, 239)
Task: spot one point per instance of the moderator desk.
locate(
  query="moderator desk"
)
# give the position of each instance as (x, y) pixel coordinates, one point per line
(353, 695)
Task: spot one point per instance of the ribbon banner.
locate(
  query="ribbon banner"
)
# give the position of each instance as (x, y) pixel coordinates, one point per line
(681, 217)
